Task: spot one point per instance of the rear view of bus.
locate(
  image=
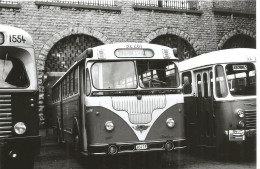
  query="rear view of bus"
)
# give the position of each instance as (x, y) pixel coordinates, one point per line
(19, 137)
(220, 99)
(129, 100)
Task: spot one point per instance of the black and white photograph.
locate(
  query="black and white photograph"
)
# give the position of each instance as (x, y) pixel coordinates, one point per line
(128, 84)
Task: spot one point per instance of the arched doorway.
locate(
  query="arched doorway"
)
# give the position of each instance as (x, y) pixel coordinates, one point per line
(60, 57)
(240, 41)
(184, 49)
(63, 54)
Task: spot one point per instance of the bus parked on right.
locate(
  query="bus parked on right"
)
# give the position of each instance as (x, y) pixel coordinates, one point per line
(220, 99)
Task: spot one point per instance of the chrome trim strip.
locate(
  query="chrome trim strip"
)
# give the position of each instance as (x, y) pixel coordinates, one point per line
(177, 148)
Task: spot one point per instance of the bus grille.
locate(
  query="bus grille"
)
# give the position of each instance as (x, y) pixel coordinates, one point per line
(139, 111)
(5, 116)
(250, 119)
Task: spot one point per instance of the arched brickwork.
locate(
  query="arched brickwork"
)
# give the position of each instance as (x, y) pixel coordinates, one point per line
(64, 53)
(184, 49)
(51, 50)
(243, 35)
(62, 34)
(177, 33)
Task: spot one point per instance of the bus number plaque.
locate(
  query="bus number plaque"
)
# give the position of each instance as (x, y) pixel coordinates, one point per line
(17, 39)
(141, 146)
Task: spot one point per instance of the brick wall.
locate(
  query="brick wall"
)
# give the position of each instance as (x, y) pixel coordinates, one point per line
(206, 31)
(134, 26)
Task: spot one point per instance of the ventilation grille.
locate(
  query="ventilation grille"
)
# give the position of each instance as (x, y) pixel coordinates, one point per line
(5, 116)
(250, 119)
(139, 111)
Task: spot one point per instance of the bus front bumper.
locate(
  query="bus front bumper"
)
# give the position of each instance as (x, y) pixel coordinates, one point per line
(240, 135)
(119, 148)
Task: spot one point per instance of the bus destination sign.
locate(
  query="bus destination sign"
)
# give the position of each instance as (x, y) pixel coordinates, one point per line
(134, 53)
(239, 67)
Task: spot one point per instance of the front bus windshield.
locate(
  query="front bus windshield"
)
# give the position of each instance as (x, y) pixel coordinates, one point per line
(12, 70)
(241, 79)
(157, 74)
(123, 74)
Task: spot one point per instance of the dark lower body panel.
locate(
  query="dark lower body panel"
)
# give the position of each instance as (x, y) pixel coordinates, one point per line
(19, 152)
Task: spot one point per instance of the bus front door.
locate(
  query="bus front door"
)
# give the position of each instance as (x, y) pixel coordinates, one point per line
(205, 113)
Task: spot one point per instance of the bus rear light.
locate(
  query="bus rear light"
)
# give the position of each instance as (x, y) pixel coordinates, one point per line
(112, 149)
(241, 123)
(169, 145)
(170, 122)
(19, 128)
(2, 38)
(109, 125)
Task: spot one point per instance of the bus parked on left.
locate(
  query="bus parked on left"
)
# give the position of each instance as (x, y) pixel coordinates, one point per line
(19, 121)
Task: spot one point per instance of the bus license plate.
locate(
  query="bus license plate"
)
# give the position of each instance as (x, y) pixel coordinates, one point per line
(141, 146)
(236, 135)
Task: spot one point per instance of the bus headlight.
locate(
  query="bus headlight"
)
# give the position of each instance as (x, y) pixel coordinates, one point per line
(241, 124)
(170, 122)
(19, 128)
(109, 125)
(240, 113)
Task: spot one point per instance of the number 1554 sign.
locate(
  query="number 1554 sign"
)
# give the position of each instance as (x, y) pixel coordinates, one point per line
(17, 39)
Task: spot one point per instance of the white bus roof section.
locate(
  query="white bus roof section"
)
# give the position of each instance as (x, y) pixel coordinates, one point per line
(109, 51)
(15, 37)
(236, 55)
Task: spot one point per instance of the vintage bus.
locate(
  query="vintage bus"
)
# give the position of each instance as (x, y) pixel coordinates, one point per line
(220, 99)
(121, 98)
(19, 121)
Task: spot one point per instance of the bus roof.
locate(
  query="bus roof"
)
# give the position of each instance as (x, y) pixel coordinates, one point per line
(236, 55)
(13, 36)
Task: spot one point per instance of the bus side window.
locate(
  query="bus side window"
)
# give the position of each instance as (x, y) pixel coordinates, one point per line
(199, 85)
(221, 87)
(205, 84)
(87, 83)
(76, 81)
(64, 88)
(71, 82)
(211, 83)
(187, 82)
